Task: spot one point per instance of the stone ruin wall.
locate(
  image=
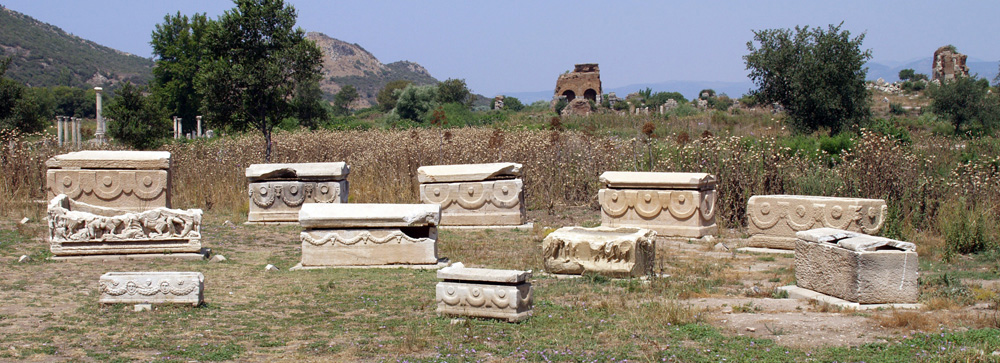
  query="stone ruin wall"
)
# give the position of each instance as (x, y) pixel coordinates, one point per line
(948, 64)
(584, 81)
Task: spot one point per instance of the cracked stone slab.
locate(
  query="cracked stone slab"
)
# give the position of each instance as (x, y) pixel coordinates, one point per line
(467, 172)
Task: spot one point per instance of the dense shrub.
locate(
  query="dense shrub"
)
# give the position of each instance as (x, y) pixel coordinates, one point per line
(139, 121)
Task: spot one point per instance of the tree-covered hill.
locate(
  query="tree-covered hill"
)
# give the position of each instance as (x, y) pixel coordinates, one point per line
(44, 55)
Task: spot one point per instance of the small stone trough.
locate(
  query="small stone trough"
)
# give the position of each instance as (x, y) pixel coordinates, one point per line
(484, 293)
(613, 252)
(368, 234)
(77, 228)
(152, 288)
(855, 267)
(672, 204)
(475, 194)
(278, 191)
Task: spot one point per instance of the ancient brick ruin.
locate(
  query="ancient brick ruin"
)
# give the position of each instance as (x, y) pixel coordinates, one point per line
(948, 64)
(584, 81)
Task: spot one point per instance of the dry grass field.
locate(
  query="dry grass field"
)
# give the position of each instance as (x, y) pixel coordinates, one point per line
(707, 304)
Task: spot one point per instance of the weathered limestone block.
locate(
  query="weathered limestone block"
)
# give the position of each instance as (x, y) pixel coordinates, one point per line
(672, 204)
(369, 234)
(77, 228)
(277, 191)
(614, 252)
(856, 267)
(152, 288)
(774, 219)
(128, 180)
(484, 293)
(475, 194)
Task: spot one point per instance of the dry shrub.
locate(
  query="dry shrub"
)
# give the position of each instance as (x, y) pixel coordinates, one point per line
(384, 163)
(913, 320)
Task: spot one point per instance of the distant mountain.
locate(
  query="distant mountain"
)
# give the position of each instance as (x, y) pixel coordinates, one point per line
(44, 55)
(890, 73)
(350, 64)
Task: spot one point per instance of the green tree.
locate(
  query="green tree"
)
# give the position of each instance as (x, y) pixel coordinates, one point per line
(817, 75)
(256, 60)
(906, 74)
(453, 91)
(512, 103)
(178, 45)
(20, 108)
(413, 102)
(342, 101)
(966, 102)
(309, 106)
(138, 121)
(387, 96)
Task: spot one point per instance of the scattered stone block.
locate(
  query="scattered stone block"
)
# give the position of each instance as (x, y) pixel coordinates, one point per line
(77, 228)
(672, 204)
(369, 234)
(134, 181)
(270, 268)
(773, 220)
(475, 194)
(277, 191)
(218, 258)
(856, 267)
(25, 220)
(142, 307)
(613, 252)
(484, 293)
(152, 288)
(24, 259)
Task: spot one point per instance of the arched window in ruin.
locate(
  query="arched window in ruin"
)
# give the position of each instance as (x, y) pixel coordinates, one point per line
(570, 95)
(590, 94)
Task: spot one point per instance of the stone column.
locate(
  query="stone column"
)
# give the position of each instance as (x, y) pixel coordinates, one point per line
(174, 119)
(59, 130)
(76, 131)
(180, 128)
(101, 128)
(199, 134)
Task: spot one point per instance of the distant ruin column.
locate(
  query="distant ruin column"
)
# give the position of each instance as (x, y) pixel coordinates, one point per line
(59, 130)
(79, 136)
(199, 134)
(174, 119)
(99, 134)
(180, 128)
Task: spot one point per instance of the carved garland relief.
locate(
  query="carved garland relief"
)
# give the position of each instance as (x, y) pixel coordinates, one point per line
(502, 194)
(131, 287)
(477, 296)
(108, 184)
(362, 238)
(802, 215)
(650, 203)
(293, 194)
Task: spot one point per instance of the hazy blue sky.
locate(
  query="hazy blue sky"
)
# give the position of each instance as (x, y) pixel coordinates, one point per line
(512, 46)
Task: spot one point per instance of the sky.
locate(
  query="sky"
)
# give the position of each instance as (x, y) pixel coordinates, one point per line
(522, 46)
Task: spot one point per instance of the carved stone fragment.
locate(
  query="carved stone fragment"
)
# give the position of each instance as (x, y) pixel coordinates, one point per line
(856, 267)
(77, 228)
(475, 194)
(672, 204)
(127, 180)
(484, 293)
(152, 288)
(368, 234)
(613, 252)
(277, 191)
(773, 220)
